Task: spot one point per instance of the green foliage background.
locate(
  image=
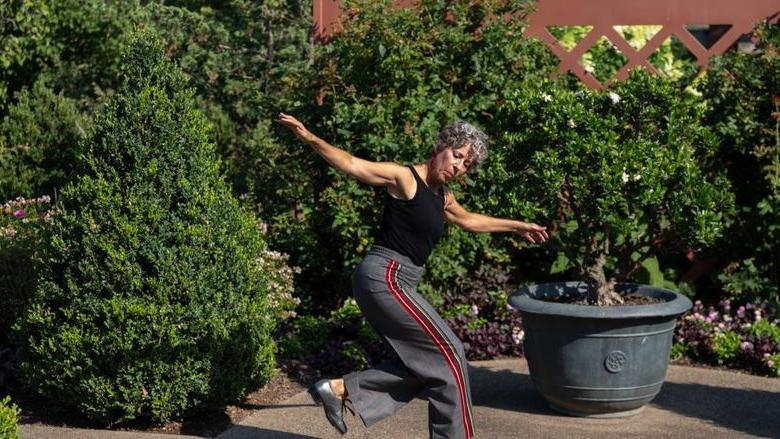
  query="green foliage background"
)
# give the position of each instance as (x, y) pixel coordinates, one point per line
(382, 90)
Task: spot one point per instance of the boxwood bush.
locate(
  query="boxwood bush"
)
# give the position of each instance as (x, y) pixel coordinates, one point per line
(9, 414)
(38, 143)
(153, 297)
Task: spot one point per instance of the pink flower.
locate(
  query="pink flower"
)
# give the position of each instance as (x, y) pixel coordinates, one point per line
(517, 335)
(20, 213)
(746, 346)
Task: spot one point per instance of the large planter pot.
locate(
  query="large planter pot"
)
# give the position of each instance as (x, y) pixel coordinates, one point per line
(597, 361)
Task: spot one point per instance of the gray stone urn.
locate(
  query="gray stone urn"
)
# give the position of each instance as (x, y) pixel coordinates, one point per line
(597, 361)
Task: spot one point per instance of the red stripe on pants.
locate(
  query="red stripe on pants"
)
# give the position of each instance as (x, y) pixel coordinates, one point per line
(439, 343)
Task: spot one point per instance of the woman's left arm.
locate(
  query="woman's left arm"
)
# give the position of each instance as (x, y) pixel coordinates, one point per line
(475, 222)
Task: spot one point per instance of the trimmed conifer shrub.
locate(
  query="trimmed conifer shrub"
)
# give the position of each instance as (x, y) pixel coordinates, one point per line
(154, 297)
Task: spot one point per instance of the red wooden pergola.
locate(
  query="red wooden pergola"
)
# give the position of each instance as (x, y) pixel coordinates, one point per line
(672, 16)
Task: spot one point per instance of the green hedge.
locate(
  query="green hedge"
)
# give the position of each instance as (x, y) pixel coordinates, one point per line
(154, 297)
(382, 90)
(742, 95)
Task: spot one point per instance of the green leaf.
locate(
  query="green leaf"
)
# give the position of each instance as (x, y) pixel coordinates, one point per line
(560, 265)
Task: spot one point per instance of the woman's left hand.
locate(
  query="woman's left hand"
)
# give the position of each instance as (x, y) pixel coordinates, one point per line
(532, 232)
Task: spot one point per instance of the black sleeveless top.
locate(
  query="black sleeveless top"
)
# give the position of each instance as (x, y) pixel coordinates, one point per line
(412, 227)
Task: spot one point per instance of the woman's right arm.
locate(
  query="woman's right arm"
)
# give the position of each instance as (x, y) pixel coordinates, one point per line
(373, 173)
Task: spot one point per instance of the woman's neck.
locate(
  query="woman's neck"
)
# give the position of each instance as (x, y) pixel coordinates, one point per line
(426, 176)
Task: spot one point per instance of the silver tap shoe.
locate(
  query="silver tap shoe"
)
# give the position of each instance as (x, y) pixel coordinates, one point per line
(323, 394)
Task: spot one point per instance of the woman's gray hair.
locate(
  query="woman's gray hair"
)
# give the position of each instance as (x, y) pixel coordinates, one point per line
(460, 133)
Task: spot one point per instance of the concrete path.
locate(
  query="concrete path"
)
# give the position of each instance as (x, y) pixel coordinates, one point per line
(693, 403)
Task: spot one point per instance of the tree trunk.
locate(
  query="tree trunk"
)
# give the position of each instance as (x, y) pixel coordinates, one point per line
(601, 291)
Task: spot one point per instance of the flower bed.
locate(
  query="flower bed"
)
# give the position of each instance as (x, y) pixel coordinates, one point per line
(743, 337)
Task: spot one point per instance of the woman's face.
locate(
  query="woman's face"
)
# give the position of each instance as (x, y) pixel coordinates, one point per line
(451, 163)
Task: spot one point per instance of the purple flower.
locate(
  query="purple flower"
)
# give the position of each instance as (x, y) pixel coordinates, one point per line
(20, 213)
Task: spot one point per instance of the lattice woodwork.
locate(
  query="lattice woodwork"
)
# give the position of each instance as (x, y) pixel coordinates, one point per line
(603, 15)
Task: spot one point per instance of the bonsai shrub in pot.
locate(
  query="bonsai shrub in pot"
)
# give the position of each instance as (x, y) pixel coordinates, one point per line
(619, 174)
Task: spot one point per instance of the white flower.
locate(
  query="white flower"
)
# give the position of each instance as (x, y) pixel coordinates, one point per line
(546, 97)
(571, 123)
(614, 97)
(517, 335)
(474, 309)
(625, 178)
(637, 177)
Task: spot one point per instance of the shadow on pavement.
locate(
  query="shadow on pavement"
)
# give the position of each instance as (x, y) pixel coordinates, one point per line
(245, 405)
(754, 412)
(506, 390)
(241, 431)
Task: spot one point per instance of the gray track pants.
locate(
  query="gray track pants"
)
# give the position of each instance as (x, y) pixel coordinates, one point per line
(430, 358)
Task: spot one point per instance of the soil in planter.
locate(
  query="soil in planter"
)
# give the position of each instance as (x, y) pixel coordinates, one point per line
(628, 300)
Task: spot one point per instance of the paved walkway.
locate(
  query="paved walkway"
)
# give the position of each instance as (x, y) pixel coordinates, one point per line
(693, 403)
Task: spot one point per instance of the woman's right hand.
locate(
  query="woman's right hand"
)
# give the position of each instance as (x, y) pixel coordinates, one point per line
(296, 126)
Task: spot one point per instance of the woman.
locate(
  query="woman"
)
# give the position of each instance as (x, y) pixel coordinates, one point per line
(429, 356)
